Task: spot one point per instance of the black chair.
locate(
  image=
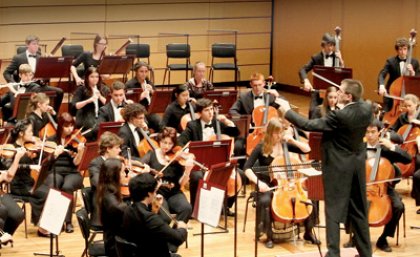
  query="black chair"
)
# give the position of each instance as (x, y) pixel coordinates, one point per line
(21, 49)
(177, 51)
(125, 248)
(251, 199)
(224, 50)
(92, 248)
(87, 196)
(71, 50)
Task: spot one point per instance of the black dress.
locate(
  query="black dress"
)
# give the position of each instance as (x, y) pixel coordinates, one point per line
(173, 115)
(85, 58)
(38, 122)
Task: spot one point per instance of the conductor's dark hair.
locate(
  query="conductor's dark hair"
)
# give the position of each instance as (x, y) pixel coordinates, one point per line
(353, 87)
(141, 185)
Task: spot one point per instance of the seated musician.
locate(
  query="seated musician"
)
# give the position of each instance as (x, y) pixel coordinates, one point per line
(328, 57)
(66, 158)
(109, 147)
(394, 68)
(135, 121)
(394, 154)
(39, 106)
(265, 153)
(204, 129)
(415, 193)
(175, 176)
(7, 101)
(143, 226)
(411, 104)
(11, 215)
(89, 59)
(178, 108)
(30, 57)
(110, 203)
(111, 111)
(330, 103)
(247, 101)
(87, 100)
(198, 84)
(22, 183)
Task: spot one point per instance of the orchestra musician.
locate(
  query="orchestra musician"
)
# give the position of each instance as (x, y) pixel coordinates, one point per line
(109, 147)
(87, 100)
(30, 56)
(178, 108)
(111, 111)
(66, 158)
(198, 84)
(330, 103)
(327, 57)
(89, 59)
(142, 80)
(110, 203)
(343, 162)
(143, 226)
(394, 69)
(265, 152)
(175, 175)
(415, 193)
(39, 106)
(411, 103)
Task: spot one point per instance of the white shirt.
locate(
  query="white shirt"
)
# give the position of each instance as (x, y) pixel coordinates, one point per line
(402, 64)
(370, 153)
(207, 132)
(117, 111)
(31, 61)
(259, 101)
(328, 62)
(135, 133)
(143, 86)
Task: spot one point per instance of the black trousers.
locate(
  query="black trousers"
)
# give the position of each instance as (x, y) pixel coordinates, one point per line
(178, 204)
(36, 199)
(397, 211)
(415, 193)
(11, 215)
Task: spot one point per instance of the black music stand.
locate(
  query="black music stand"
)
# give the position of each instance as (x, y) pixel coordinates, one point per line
(55, 67)
(224, 98)
(22, 102)
(116, 65)
(90, 153)
(160, 100)
(333, 74)
(111, 126)
(218, 177)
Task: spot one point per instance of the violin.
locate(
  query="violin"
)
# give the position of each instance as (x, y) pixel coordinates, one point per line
(76, 138)
(397, 88)
(131, 167)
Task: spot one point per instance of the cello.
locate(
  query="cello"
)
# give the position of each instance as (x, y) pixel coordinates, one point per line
(397, 89)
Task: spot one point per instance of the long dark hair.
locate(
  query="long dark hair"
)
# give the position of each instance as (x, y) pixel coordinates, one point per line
(109, 180)
(64, 120)
(88, 89)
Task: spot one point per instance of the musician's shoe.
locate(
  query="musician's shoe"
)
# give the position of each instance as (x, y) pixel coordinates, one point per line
(308, 236)
(350, 243)
(269, 244)
(229, 213)
(43, 234)
(6, 238)
(69, 228)
(418, 211)
(383, 245)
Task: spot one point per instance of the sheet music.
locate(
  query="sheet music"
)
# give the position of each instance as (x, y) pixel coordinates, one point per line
(309, 172)
(210, 207)
(54, 212)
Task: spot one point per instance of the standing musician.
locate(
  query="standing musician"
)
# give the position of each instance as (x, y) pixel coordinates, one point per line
(109, 147)
(330, 104)
(67, 157)
(30, 56)
(198, 84)
(265, 152)
(175, 175)
(22, 182)
(11, 215)
(7, 101)
(135, 120)
(87, 100)
(394, 67)
(141, 80)
(343, 163)
(39, 106)
(89, 59)
(327, 57)
(143, 226)
(247, 101)
(178, 108)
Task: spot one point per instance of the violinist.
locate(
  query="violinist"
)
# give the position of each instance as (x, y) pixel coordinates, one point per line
(87, 100)
(394, 68)
(110, 203)
(178, 108)
(247, 101)
(109, 147)
(39, 106)
(135, 120)
(198, 84)
(31, 57)
(22, 182)
(66, 159)
(411, 104)
(327, 57)
(175, 176)
(89, 59)
(330, 104)
(265, 152)
(143, 227)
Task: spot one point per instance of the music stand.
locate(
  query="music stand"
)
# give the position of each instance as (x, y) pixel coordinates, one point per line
(333, 74)
(111, 126)
(242, 122)
(133, 94)
(160, 100)
(22, 101)
(113, 65)
(224, 98)
(218, 150)
(90, 153)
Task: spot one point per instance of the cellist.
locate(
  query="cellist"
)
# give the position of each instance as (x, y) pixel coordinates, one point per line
(265, 153)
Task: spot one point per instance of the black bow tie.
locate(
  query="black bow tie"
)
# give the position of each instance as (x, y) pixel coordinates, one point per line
(120, 106)
(329, 55)
(208, 125)
(403, 60)
(32, 55)
(258, 97)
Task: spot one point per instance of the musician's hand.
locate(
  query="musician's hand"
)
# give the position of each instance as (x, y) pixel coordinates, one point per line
(193, 100)
(382, 90)
(263, 187)
(287, 137)
(157, 203)
(146, 168)
(81, 147)
(189, 163)
(387, 143)
(35, 167)
(59, 150)
(181, 224)
(149, 88)
(94, 98)
(284, 105)
(418, 143)
(79, 81)
(307, 86)
(21, 151)
(51, 110)
(273, 92)
(129, 101)
(144, 94)
(411, 69)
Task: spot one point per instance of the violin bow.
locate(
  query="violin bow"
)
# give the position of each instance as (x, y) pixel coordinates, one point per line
(177, 154)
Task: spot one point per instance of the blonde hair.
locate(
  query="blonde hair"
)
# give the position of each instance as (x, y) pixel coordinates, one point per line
(35, 100)
(25, 68)
(273, 126)
(411, 97)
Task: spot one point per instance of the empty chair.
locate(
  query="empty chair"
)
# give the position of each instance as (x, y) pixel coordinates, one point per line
(224, 51)
(125, 248)
(139, 51)
(177, 51)
(71, 50)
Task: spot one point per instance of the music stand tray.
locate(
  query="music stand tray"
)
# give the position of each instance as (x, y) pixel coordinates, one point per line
(53, 67)
(22, 102)
(160, 99)
(90, 153)
(315, 139)
(225, 98)
(334, 74)
(133, 94)
(412, 85)
(116, 65)
(112, 126)
(218, 150)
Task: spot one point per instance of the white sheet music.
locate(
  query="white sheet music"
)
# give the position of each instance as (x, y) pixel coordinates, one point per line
(54, 212)
(310, 172)
(210, 207)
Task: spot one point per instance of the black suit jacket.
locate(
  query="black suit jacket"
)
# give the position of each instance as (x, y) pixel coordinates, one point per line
(344, 154)
(149, 232)
(11, 73)
(194, 131)
(245, 103)
(392, 68)
(129, 141)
